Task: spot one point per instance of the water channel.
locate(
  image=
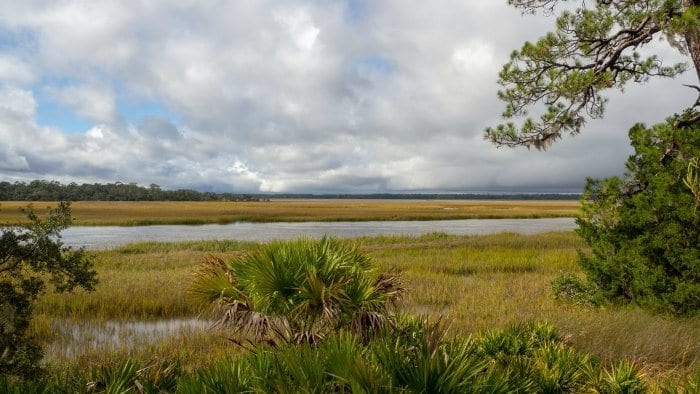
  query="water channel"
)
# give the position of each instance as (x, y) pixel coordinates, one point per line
(104, 237)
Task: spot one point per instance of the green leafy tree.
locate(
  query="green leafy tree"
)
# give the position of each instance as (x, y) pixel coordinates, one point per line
(643, 228)
(298, 291)
(30, 256)
(594, 48)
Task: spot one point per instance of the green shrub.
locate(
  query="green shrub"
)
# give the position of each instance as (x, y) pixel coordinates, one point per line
(623, 378)
(557, 368)
(30, 256)
(571, 288)
(520, 339)
(298, 291)
(414, 355)
(418, 357)
(644, 229)
(10, 385)
(220, 376)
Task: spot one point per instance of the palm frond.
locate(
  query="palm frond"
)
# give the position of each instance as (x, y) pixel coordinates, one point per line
(212, 282)
(299, 288)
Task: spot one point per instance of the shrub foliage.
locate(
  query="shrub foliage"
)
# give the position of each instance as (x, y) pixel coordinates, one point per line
(412, 355)
(29, 256)
(298, 291)
(644, 228)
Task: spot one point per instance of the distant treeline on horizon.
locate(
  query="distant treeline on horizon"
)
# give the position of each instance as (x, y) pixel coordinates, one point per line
(427, 196)
(41, 190)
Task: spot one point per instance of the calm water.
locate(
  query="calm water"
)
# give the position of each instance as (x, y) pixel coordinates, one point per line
(77, 338)
(111, 236)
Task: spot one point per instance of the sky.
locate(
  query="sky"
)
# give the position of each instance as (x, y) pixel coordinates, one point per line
(294, 96)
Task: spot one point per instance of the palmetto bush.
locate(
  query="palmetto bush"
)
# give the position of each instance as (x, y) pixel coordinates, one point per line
(298, 291)
(415, 355)
(419, 356)
(411, 355)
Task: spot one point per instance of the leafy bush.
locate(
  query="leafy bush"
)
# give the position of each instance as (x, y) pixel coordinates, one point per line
(558, 368)
(298, 291)
(221, 376)
(413, 355)
(570, 287)
(623, 377)
(29, 255)
(644, 229)
(419, 357)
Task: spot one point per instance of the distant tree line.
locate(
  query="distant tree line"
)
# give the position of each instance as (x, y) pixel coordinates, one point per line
(41, 190)
(428, 196)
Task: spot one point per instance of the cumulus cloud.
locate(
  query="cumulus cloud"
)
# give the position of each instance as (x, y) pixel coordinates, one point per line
(294, 96)
(15, 70)
(96, 103)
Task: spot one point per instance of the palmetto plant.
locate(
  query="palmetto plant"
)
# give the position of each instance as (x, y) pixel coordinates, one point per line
(297, 291)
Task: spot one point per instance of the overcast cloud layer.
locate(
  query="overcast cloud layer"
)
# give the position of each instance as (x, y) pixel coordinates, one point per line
(286, 96)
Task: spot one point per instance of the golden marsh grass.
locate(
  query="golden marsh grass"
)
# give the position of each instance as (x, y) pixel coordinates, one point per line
(128, 213)
(480, 282)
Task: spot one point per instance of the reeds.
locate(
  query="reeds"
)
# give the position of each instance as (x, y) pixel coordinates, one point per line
(480, 282)
(129, 213)
(414, 355)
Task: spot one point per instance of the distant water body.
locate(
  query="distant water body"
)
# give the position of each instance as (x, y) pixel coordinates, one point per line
(104, 237)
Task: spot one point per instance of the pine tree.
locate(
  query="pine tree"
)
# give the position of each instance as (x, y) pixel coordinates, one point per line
(643, 229)
(593, 49)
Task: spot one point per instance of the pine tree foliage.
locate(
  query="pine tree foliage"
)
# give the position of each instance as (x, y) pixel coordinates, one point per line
(593, 48)
(644, 228)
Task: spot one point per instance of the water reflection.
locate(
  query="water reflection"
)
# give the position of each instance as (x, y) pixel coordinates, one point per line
(77, 338)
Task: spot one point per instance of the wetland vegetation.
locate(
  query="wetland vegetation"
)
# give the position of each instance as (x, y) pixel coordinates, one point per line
(133, 213)
(478, 283)
(478, 314)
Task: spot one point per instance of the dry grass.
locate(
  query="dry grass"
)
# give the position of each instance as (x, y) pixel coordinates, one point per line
(482, 282)
(90, 213)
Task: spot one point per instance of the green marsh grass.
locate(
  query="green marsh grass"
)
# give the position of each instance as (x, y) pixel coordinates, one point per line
(131, 213)
(411, 355)
(477, 282)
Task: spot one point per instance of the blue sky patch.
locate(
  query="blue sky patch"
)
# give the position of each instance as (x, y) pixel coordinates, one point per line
(50, 113)
(377, 64)
(11, 40)
(355, 10)
(135, 111)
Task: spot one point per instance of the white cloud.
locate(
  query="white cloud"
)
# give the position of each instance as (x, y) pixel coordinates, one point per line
(11, 161)
(17, 104)
(474, 57)
(93, 102)
(300, 27)
(15, 70)
(288, 96)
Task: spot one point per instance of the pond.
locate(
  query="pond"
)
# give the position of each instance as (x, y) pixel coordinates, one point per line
(103, 237)
(78, 338)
